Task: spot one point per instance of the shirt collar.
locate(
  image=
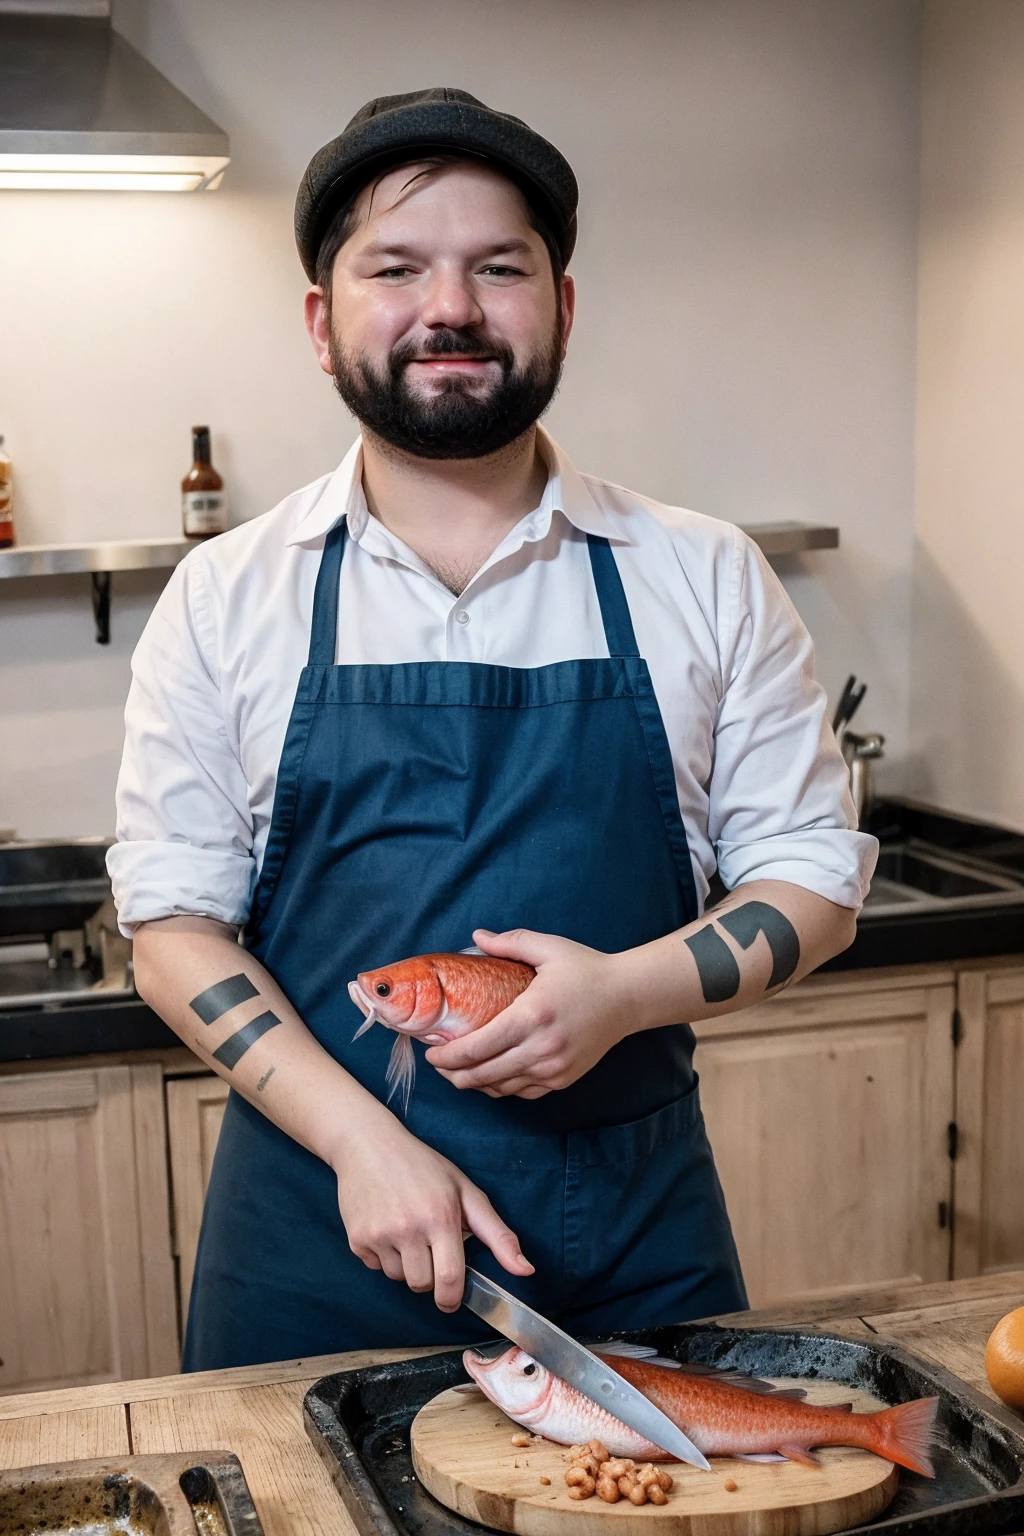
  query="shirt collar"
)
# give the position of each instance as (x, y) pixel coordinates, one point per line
(566, 491)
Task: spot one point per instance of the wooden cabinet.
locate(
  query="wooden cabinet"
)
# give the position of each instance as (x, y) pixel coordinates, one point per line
(988, 1230)
(195, 1109)
(828, 1109)
(86, 1276)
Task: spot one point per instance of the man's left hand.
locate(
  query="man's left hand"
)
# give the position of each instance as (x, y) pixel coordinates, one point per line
(576, 1008)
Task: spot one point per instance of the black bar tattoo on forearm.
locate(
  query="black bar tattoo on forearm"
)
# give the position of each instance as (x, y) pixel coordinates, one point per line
(235, 1046)
(754, 917)
(716, 965)
(219, 999)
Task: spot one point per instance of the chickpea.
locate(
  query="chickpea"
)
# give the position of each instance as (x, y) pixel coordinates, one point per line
(597, 1449)
(656, 1493)
(646, 1475)
(637, 1494)
(578, 1476)
(618, 1466)
(520, 1441)
(664, 1481)
(584, 1489)
(608, 1489)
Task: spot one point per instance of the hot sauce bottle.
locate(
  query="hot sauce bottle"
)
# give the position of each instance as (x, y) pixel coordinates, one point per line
(204, 509)
(6, 500)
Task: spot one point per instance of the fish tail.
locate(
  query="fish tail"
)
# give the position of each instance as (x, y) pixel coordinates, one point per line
(905, 1434)
(401, 1071)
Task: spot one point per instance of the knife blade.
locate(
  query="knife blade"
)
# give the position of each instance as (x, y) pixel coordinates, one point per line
(574, 1363)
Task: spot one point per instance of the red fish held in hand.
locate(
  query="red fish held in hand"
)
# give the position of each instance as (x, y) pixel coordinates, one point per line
(721, 1415)
(434, 998)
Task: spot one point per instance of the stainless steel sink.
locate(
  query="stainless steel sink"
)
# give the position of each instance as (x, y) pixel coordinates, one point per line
(47, 886)
(913, 877)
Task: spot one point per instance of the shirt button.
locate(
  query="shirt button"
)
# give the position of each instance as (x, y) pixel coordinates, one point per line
(461, 616)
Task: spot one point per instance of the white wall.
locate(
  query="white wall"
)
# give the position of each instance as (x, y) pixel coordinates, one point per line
(745, 343)
(968, 716)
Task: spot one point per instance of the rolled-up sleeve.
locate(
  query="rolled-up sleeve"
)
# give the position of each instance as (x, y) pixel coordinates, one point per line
(780, 799)
(184, 827)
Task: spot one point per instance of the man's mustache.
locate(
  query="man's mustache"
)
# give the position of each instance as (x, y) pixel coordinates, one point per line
(448, 343)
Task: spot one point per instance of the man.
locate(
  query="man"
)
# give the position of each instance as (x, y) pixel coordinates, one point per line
(455, 693)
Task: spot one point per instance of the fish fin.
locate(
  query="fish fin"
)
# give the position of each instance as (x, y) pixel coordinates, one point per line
(401, 1071)
(368, 1023)
(645, 1352)
(906, 1434)
(726, 1376)
(759, 1456)
(801, 1454)
(730, 1378)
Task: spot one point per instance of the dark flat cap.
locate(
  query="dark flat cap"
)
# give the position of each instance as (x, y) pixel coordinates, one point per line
(393, 128)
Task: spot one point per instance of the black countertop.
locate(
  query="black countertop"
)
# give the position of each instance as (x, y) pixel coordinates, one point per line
(81, 1029)
(940, 937)
(905, 938)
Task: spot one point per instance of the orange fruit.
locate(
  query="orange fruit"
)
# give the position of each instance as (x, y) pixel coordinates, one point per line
(1004, 1359)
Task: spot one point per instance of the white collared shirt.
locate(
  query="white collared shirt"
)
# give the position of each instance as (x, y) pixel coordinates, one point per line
(762, 787)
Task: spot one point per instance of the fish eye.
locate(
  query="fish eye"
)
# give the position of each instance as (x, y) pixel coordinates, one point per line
(382, 989)
(528, 1370)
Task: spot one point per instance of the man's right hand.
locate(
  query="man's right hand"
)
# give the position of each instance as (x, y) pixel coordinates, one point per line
(406, 1208)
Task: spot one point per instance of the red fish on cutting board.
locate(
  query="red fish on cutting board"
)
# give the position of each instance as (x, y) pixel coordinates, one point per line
(723, 1414)
(434, 998)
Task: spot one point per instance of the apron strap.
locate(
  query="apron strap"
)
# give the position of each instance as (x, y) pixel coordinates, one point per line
(618, 626)
(323, 635)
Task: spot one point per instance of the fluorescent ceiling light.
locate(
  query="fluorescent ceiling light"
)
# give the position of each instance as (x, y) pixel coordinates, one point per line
(111, 173)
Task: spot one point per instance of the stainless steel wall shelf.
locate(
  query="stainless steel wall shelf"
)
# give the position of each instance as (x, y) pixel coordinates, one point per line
(791, 538)
(96, 560)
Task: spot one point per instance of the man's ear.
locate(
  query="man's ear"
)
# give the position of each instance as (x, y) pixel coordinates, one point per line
(567, 299)
(317, 315)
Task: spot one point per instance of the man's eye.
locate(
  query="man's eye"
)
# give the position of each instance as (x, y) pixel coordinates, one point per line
(394, 272)
(496, 271)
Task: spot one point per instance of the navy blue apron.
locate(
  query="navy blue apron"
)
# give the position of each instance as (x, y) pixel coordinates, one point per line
(415, 803)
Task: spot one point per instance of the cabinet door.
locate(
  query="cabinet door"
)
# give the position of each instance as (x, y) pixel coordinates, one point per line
(988, 1232)
(86, 1277)
(195, 1109)
(828, 1110)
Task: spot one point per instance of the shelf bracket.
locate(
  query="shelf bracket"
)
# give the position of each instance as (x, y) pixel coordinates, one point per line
(101, 605)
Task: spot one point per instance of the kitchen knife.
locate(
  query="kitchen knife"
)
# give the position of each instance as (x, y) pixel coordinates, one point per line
(574, 1363)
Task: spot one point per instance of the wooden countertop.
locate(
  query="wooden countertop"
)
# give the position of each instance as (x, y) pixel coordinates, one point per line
(257, 1411)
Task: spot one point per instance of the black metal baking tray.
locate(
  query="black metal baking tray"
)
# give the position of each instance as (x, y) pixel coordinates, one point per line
(176, 1493)
(359, 1422)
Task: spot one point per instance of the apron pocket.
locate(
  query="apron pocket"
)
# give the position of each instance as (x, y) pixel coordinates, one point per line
(647, 1235)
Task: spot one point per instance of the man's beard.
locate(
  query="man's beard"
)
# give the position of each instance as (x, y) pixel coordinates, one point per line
(461, 419)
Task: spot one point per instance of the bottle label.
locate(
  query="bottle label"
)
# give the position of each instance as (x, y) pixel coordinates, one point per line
(203, 512)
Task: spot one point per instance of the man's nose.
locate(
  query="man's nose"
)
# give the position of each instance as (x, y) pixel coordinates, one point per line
(451, 302)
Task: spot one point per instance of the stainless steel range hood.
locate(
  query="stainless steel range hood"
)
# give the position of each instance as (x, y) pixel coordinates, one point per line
(80, 109)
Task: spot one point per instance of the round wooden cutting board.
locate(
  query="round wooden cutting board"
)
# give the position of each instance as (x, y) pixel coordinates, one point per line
(462, 1453)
